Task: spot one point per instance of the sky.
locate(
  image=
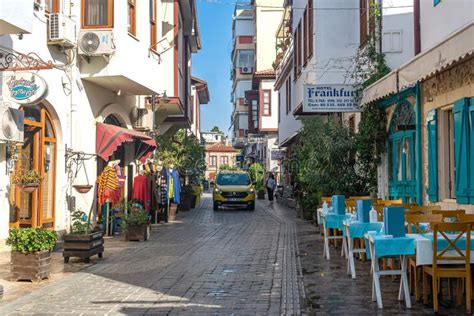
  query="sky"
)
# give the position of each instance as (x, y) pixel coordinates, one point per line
(212, 62)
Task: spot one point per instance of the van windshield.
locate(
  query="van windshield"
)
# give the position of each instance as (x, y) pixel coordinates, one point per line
(233, 179)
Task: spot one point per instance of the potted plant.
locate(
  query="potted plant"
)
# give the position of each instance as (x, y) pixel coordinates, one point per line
(82, 241)
(28, 180)
(257, 172)
(31, 252)
(185, 199)
(135, 224)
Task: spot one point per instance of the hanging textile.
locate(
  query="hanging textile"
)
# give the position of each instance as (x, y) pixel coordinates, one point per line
(163, 187)
(141, 191)
(174, 186)
(108, 184)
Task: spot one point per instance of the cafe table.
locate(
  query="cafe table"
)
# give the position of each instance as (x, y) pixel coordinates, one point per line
(424, 248)
(383, 246)
(353, 230)
(333, 220)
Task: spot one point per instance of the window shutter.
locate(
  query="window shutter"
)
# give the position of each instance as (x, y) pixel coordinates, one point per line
(461, 150)
(432, 127)
(471, 151)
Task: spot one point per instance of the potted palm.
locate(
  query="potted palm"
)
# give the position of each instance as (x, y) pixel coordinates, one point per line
(31, 252)
(135, 224)
(28, 180)
(82, 241)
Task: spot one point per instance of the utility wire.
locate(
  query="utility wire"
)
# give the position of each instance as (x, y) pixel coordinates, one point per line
(219, 2)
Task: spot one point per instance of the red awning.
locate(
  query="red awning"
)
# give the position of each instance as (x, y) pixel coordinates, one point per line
(110, 137)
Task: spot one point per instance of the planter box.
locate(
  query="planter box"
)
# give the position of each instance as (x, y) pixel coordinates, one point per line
(137, 233)
(261, 195)
(32, 266)
(193, 201)
(83, 246)
(185, 205)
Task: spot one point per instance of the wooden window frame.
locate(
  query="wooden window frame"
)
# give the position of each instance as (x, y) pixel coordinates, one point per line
(305, 36)
(56, 7)
(288, 95)
(153, 25)
(211, 159)
(224, 160)
(110, 16)
(262, 102)
(363, 21)
(299, 60)
(132, 9)
(310, 29)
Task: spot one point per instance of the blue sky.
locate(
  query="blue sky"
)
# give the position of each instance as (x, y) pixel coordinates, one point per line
(212, 62)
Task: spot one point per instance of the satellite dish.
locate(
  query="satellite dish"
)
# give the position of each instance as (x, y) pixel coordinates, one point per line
(89, 42)
(9, 125)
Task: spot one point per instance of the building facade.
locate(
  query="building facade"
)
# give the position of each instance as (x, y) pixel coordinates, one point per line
(93, 67)
(428, 101)
(217, 156)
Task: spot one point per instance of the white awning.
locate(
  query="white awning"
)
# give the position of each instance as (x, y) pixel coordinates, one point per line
(455, 47)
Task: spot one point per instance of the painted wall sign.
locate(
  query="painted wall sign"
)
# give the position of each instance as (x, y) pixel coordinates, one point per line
(330, 98)
(24, 88)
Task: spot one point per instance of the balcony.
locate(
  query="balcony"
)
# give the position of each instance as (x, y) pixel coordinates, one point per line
(283, 38)
(16, 16)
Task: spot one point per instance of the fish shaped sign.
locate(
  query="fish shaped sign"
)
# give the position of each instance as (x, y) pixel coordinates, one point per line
(24, 88)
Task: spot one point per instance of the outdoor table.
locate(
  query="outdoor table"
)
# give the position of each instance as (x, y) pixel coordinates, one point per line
(382, 246)
(333, 221)
(424, 248)
(352, 230)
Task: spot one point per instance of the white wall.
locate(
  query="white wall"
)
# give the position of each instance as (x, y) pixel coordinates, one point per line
(244, 27)
(267, 20)
(240, 87)
(16, 16)
(437, 22)
(269, 122)
(398, 39)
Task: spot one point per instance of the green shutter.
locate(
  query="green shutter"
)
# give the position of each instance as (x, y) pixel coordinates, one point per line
(432, 127)
(461, 150)
(471, 151)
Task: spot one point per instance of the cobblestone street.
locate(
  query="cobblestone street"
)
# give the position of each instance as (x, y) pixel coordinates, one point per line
(229, 262)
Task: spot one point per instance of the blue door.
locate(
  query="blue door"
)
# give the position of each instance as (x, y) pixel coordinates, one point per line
(401, 154)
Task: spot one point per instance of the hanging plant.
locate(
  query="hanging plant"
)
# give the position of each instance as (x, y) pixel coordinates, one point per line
(27, 180)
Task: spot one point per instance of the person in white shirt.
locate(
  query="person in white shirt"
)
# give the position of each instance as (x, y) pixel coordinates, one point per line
(271, 185)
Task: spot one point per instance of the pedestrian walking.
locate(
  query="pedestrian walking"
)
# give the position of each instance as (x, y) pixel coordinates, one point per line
(271, 185)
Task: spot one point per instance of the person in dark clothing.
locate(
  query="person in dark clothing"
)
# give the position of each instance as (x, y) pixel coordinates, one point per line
(271, 185)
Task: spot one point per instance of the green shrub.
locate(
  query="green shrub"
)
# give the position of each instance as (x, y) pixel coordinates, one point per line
(30, 240)
(257, 174)
(80, 223)
(136, 217)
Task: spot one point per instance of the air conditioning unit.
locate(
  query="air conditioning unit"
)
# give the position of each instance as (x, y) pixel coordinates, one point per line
(11, 128)
(246, 70)
(142, 119)
(96, 42)
(61, 30)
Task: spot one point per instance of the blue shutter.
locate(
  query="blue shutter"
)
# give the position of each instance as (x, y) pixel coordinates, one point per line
(471, 151)
(436, 2)
(432, 127)
(461, 150)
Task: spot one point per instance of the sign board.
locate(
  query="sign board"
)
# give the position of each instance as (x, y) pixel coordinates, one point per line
(24, 88)
(239, 158)
(330, 98)
(277, 154)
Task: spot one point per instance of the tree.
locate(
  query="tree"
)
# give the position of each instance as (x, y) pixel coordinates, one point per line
(216, 129)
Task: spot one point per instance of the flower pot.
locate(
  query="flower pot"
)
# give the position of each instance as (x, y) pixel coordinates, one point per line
(193, 201)
(83, 246)
(31, 266)
(261, 195)
(29, 187)
(136, 233)
(82, 188)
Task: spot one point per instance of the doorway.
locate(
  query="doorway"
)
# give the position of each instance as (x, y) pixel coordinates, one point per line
(401, 154)
(37, 152)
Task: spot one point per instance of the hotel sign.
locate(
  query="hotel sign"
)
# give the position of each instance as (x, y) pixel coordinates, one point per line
(330, 98)
(24, 88)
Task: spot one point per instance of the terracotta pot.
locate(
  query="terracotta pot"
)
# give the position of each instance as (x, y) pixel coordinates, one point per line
(82, 188)
(29, 187)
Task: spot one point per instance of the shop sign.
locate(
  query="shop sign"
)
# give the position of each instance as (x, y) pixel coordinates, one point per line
(330, 98)
(24, 88)
(277, 154)
(239, 158)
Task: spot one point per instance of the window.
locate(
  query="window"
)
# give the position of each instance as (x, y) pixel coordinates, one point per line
(213, 161)
(352, 123)
(392, 42)
(310, 28)
(297, 52)
(97, 14)
(153, 25)
(267, 103)
(436, 2)
(305, 36)
(51, 6)
(132, 17)
(288, 95)
(224, 160)
(245, 58)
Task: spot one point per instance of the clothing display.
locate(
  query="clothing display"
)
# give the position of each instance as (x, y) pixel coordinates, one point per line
(173, 186)
(108, 186)
(141, 191)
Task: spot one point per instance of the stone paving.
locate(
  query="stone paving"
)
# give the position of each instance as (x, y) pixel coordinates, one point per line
(231, 262)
